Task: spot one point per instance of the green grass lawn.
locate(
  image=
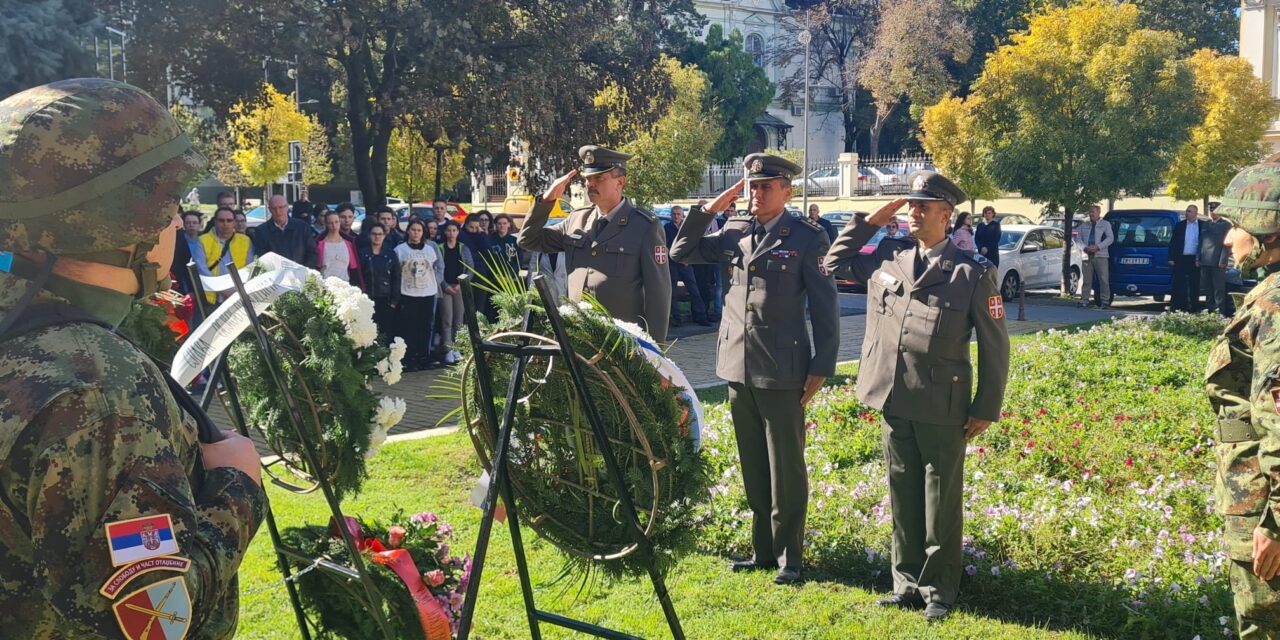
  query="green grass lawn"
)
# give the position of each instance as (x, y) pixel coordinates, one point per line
(1087, 515)
(438, 473)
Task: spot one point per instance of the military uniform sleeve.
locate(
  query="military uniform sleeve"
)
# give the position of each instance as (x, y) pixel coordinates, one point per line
(1265, 409)
(824, 307)
(124, 465)
(692, 244)
(534, 234)
(657, 282)
(845, 255)
(993, 347)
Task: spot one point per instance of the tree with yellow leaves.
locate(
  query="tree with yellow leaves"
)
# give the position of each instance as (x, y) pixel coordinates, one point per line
(949, 133)
(411, 163)
(1236, 108)
(261, 131)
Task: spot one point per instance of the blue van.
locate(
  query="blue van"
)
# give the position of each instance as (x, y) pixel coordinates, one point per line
(1140, 253)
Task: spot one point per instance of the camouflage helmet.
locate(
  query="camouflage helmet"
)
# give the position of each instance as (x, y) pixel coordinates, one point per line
(1252, 200)
(87, 166)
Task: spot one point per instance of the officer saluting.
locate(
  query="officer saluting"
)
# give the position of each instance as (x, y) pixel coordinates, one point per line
(924, 299)
(613, 250)
(777, 270)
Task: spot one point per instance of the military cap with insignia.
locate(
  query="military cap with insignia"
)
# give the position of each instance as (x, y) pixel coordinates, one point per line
(762, 166)
(597, 159)
(931, 185)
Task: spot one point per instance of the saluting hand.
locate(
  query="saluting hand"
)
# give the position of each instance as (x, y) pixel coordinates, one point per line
(974, 427)
(558, 187)
(811, 386)
(886, 213)
(726, 199)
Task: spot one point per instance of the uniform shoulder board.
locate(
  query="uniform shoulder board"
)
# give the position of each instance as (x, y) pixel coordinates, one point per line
(978, 258)
(647, 215)
(811, 224)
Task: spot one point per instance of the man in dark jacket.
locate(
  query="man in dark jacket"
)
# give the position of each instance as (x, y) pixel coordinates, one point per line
(681, 272)
(1184, 257)
(284, 236)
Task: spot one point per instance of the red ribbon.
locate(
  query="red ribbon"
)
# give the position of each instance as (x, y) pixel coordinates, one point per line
(435, 622)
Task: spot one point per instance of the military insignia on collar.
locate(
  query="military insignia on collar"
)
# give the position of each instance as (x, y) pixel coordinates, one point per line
(757, 165)
(995, 306)
(947, 265)
(918, 184)
(160, 610)
(784, 232)
(589, 158)
(121, 579)
(822, 267)
(141, 538)
(660, 254)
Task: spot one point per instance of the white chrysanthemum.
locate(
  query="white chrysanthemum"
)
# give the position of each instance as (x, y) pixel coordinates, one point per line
(633, 329)
(388, 414)
(567, 311)
(391, 367)
(354, 309)
(586, 306)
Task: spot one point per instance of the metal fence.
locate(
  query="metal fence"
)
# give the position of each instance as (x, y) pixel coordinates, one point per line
(887, 175)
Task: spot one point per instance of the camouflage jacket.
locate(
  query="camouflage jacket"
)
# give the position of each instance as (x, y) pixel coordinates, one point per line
(1243, 383)
(90, 437)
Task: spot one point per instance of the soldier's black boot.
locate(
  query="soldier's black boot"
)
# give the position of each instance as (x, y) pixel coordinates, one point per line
(902, 600)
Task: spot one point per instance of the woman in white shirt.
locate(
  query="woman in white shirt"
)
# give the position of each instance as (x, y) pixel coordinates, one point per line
(335, 255)
(418, 288)
(962, 236)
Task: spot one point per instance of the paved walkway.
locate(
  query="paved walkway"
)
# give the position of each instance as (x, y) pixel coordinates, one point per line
(694, 350)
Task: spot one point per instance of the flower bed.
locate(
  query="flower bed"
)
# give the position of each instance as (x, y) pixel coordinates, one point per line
(1091, 498)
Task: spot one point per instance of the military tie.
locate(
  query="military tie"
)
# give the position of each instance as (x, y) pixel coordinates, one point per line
(600, 223)
(922, 263)
(757, 236)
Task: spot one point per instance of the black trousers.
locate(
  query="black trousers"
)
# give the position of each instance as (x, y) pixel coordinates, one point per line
(1186, 284)
(384, 317)
(768, 425)
(415, 320)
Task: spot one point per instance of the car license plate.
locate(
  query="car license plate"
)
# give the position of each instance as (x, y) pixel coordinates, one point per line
(1135, 260)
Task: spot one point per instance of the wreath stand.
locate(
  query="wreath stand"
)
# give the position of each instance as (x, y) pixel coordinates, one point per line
(501, 475)
(366, 592)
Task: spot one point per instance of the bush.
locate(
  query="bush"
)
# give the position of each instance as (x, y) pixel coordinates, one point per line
(1088, 504)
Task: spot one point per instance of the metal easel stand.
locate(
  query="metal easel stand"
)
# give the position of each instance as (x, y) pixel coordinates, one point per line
(371, 598)
(501, 475)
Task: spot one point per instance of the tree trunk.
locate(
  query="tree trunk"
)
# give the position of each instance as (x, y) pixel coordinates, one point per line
(1068, 214)
(849, 118)
(882, 118)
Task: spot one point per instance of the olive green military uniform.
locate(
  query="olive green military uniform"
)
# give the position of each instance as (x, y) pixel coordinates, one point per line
(618, 257)
(764, 353)
(90, 436)
(1243, 386)
(1243, 383)
(915, 368)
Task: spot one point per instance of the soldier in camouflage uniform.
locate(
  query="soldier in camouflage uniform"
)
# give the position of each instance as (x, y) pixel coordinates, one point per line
(1243, 383)
(115, 521)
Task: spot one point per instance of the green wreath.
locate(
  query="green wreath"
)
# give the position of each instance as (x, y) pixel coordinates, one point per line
(562, 487)
(327, 365)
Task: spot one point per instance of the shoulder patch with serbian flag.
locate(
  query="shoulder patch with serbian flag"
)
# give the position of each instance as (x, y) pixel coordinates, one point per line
(141, 538)
(995, 306)
(660, 254)
(160, 611)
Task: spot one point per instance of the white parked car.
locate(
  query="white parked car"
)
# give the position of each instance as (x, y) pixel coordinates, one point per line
(1031, 257)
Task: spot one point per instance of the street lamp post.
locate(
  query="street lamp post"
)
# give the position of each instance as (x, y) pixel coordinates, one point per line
(805, 38)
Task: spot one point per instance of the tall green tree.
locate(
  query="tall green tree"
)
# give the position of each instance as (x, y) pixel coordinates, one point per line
(1202, 24)
(261, 131)
(1084, 105)
(670, 156)
(739, 91)
(45, 40)
(1235, 110)
(914, 43)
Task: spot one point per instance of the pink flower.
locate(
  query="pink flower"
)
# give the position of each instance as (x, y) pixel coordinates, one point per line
(434, 578)
(395, 536)
(424, 518)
